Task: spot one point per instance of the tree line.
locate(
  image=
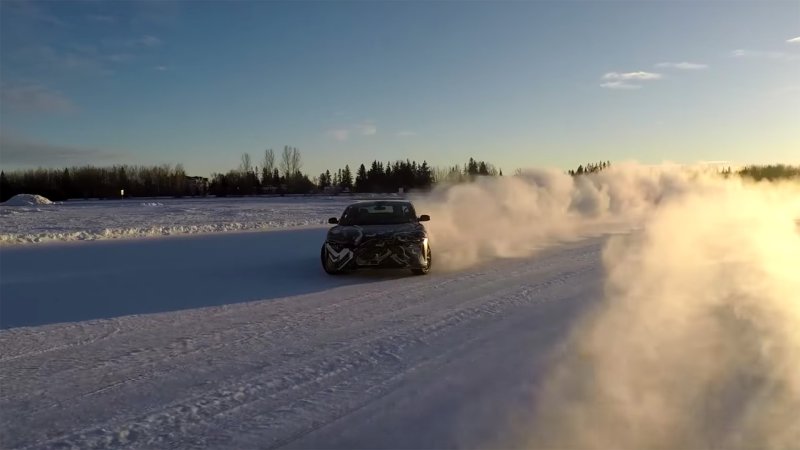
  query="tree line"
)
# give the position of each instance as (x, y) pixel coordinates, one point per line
(273, 174)
(277, 174)
(286, 176)
(768, 172)
(102, 182)
(590, 168)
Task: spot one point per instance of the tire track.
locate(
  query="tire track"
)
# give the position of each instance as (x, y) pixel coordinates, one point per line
(365, 354)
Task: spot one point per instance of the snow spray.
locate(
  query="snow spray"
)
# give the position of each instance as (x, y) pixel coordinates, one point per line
(697, 342)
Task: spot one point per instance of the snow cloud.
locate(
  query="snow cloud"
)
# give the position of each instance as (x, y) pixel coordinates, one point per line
(695, 343)
(794, 40)
(696, 339)
(521, 213)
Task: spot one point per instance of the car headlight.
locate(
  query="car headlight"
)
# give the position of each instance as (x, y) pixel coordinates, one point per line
(411, 237)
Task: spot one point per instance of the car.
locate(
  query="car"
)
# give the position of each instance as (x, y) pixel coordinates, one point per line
(377, 234)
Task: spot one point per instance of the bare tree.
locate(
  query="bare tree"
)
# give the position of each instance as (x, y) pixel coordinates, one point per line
(291, 162)
(268, 165)
(246, 166)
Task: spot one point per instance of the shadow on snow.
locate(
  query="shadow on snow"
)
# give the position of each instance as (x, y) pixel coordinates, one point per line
(42, 284)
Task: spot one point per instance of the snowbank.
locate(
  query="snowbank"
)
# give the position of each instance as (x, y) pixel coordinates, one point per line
(124, 219)
(27, 200)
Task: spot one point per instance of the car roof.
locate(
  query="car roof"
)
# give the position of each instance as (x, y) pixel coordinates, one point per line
(379, 202)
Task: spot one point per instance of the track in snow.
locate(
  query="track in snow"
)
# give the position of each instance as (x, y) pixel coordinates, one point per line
(372, 360)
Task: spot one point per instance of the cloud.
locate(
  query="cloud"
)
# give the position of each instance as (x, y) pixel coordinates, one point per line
(626, 76)
(144, 41)
(764, 54)
(682, 65)
(621, 80)
(22, 151)
(794, 40)
(406, 133)
(366, 128)
(341, 134)
(621, 85)
(161, 68)
(121, 57)
(31, 97)
(101, 18)
(47, 59)
(32, 12)
(148, 41)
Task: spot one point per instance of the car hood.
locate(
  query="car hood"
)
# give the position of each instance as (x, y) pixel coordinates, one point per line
(355, 234)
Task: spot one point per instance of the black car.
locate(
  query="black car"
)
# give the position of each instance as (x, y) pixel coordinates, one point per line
(377, 234)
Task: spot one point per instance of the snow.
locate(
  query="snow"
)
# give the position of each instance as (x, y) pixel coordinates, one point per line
(115, 219)
(265, 350)
(27, 200)
(527, 333)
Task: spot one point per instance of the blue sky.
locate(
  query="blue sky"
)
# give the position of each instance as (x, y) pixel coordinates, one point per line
(519, 83)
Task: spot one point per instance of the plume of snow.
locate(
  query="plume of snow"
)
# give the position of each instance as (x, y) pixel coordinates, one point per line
(514, 216)
(697, 341)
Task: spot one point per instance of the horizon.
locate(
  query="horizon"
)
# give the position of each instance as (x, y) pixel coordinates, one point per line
(515, 84)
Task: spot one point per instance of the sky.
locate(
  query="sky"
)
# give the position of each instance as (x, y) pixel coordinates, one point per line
(515, 83)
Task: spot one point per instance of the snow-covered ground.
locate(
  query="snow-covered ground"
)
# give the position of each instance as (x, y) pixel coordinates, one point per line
(79, 220)
(375, 359)
(531, 331)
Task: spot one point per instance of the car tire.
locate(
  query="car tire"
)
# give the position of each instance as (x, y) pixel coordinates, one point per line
(428, 264)
(326, 265)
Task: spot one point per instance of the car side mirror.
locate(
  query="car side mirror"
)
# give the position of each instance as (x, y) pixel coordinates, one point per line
(333, 220)
(424, 218)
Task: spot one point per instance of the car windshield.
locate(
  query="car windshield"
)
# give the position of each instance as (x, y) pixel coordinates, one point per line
(378, 214)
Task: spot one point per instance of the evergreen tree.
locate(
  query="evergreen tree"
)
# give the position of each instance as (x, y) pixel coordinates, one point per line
(361, 179)
(424, 176)
(5, 187)
(347, 178)
(472, 167)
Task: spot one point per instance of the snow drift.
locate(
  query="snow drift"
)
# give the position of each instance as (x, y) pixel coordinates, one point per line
(697, 344)
(27, 200)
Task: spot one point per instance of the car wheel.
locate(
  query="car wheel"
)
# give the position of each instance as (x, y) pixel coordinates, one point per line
(327, 266)
(428, 263)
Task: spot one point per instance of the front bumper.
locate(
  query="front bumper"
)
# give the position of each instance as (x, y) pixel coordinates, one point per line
(390, 253)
